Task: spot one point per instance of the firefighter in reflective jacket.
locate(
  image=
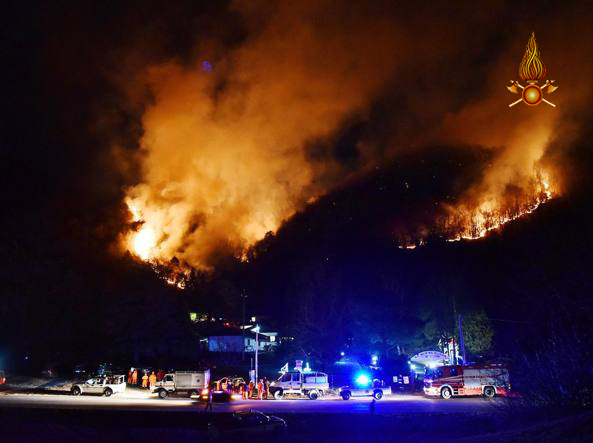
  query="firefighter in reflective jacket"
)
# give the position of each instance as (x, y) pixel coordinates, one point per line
(145, 380)
(135, 377)
(152, 380)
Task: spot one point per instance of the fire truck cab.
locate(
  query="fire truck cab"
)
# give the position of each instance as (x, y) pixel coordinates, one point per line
(488, 380)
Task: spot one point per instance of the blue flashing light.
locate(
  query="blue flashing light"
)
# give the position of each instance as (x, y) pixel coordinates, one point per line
(363, 380)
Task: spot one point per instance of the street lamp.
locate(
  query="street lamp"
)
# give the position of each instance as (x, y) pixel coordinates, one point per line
(256, 329)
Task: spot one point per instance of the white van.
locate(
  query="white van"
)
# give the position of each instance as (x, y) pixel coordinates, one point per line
(303, 384)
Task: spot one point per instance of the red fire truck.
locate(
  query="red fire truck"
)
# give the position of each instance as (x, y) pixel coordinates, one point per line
(488, 380)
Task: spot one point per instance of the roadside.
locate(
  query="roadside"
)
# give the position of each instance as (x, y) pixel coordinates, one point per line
(88, 426)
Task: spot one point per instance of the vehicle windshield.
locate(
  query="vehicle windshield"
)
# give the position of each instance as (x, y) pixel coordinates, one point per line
(433, 373)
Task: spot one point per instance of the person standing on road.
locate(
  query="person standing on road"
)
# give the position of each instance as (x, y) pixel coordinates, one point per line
(250, 389)
(209, 401)
(152, 380)
(145, 380)
(266, 387)
(135, 377)
(260, 389)
(243, 391)
(130, 376)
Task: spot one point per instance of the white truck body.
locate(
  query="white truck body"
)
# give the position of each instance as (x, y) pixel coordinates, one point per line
(303, 384)
(183, 383)
(105, 385)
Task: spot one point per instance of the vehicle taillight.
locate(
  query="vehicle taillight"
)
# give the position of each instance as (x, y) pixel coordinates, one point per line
(205, 391)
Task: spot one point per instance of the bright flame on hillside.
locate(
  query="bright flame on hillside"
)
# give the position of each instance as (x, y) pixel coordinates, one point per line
(476, 222)
(474, 219)
(143, 242)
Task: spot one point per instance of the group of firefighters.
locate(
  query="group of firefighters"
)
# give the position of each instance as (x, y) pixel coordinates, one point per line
(147, 380)
(261, 390)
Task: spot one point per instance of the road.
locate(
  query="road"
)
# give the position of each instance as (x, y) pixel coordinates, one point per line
(138, 400)
(136, 416)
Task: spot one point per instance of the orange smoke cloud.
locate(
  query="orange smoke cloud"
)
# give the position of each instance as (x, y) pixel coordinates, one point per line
(225, 151)
(225, 159)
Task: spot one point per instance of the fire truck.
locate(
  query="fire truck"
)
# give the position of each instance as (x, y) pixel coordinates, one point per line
(488, 380)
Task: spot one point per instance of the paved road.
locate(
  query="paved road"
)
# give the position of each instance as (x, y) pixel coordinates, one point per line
(135, 416)
(138, 400)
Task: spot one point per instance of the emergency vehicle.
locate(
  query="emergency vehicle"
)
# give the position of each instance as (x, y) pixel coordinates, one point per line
(183, 383)
(488, 380)
(311, 384)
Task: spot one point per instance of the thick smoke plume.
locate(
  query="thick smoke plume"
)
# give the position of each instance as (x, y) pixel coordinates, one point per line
(225, 138)
(228, 136)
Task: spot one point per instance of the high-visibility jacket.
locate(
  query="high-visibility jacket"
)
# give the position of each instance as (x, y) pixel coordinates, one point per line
(144, 380)
(152, 379)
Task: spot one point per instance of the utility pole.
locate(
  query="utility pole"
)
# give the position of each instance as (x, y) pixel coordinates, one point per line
(256, 352)
(454, 360)
(243, 298)
(461, 340)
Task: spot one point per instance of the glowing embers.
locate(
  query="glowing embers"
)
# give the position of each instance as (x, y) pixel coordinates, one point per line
(474, 219)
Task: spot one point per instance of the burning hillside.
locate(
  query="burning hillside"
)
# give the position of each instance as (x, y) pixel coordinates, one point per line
(238, 139)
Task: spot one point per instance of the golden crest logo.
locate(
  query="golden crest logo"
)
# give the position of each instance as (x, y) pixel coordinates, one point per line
(531, 70)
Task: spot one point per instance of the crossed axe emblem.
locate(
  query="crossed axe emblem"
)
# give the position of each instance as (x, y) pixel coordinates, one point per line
(532, 94)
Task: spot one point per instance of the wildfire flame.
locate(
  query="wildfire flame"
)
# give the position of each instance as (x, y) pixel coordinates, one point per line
(532, 68)
(468, 221)
(490, 215)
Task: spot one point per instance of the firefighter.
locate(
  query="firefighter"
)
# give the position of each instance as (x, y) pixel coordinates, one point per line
(266, 387)
(250, 389)
(260, 389)
(152, 380)
(130, 375)
(135, 377)
(145, 380)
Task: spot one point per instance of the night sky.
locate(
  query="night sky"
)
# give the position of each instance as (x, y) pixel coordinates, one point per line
(312, 141)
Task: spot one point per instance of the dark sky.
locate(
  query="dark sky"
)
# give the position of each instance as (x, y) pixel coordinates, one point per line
(420, 120)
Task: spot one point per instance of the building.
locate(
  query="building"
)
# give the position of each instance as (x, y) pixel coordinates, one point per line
(234, 341)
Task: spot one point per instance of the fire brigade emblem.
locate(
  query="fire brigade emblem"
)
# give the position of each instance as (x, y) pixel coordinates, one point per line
(532, 70)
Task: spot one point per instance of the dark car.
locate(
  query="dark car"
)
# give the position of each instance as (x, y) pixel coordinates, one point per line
(246, 423)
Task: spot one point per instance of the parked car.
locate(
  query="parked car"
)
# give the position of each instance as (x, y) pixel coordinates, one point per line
(365, 388)
(309, 384)
(107, 386)
(246, 423)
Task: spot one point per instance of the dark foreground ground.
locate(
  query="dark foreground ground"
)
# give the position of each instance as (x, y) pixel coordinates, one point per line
(88, 426)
